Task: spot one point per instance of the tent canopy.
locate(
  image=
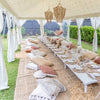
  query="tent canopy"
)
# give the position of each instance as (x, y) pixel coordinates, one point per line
(34, 9)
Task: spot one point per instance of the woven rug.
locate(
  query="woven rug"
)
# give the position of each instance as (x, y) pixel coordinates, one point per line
(26, 83)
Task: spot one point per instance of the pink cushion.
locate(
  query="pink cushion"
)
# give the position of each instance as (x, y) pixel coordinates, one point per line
(29, 40)
(28, 50)
(33, 47)
(47, 70)
(97, 60)
(58, 32)
(71, 46)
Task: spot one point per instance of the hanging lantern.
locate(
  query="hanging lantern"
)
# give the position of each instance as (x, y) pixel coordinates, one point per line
(59, 12)
(49, 15)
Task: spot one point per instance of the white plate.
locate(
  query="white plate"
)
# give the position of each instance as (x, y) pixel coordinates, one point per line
(70, 60)
(96, 74)
(95, 66)
(98, 70)
(79, 68)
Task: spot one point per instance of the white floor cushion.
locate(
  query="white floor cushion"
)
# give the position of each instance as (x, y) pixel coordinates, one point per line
(52, 81)
(28, 47)
(39, 94)
(30, 55)
(38, 52)
(39, 74)
(32, 66)
(36, 45)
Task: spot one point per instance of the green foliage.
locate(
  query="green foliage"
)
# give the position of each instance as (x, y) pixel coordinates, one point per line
(23, 30)
(49, 32)
(15, 28)
(98, 35)
(85, 45)
(36, 34)
(87, 33)
(73, 31)
(5, 36)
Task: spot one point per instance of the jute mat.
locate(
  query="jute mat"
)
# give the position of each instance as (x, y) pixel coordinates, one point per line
(26, 83)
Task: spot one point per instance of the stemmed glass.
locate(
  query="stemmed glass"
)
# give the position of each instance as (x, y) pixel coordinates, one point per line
(74, 54)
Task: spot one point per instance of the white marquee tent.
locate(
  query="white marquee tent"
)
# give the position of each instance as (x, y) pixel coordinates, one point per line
(34, 9)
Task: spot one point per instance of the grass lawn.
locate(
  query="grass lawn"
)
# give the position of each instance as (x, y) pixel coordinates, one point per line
(85, 45)
(12, 69)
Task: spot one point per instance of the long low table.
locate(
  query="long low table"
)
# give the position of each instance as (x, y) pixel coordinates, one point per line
(84, 77)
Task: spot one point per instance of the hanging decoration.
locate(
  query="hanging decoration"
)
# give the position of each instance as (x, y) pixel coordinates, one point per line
(59, 12)
(49, 15)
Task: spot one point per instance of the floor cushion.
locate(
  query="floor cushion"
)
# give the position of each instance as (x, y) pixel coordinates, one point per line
(36, 45)
(64, 42)
(48, 83)
(28, 47)
(40, 94)
(47, 70)
(39, 74)
(33, 47)
(41, 61)
(28, 50)
(90, 55)
(49, 88)
(58, 32)
(38, 52)
(33, 41)
(97, 60)
(59, 40)
(30, 55)
(32, 66)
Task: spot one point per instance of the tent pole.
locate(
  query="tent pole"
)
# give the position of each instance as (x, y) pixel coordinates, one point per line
(42, 28)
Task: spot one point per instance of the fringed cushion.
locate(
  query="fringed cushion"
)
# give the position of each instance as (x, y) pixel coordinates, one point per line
(97, 60)
(33, 47)
(28, 50)
(51, 86)
(33, 41)
(42, 61)
(40, 94)
(90, 55)
(38, 53)
(58, 32)
(47, 70)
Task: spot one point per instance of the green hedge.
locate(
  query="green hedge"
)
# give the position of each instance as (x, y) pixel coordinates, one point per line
(98, 31)
(73, 32)
(86, 33)
(23, 30)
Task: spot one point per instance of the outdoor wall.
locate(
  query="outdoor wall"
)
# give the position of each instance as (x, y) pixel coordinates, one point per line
(50, 28)
(86, 22)
(32, 27)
